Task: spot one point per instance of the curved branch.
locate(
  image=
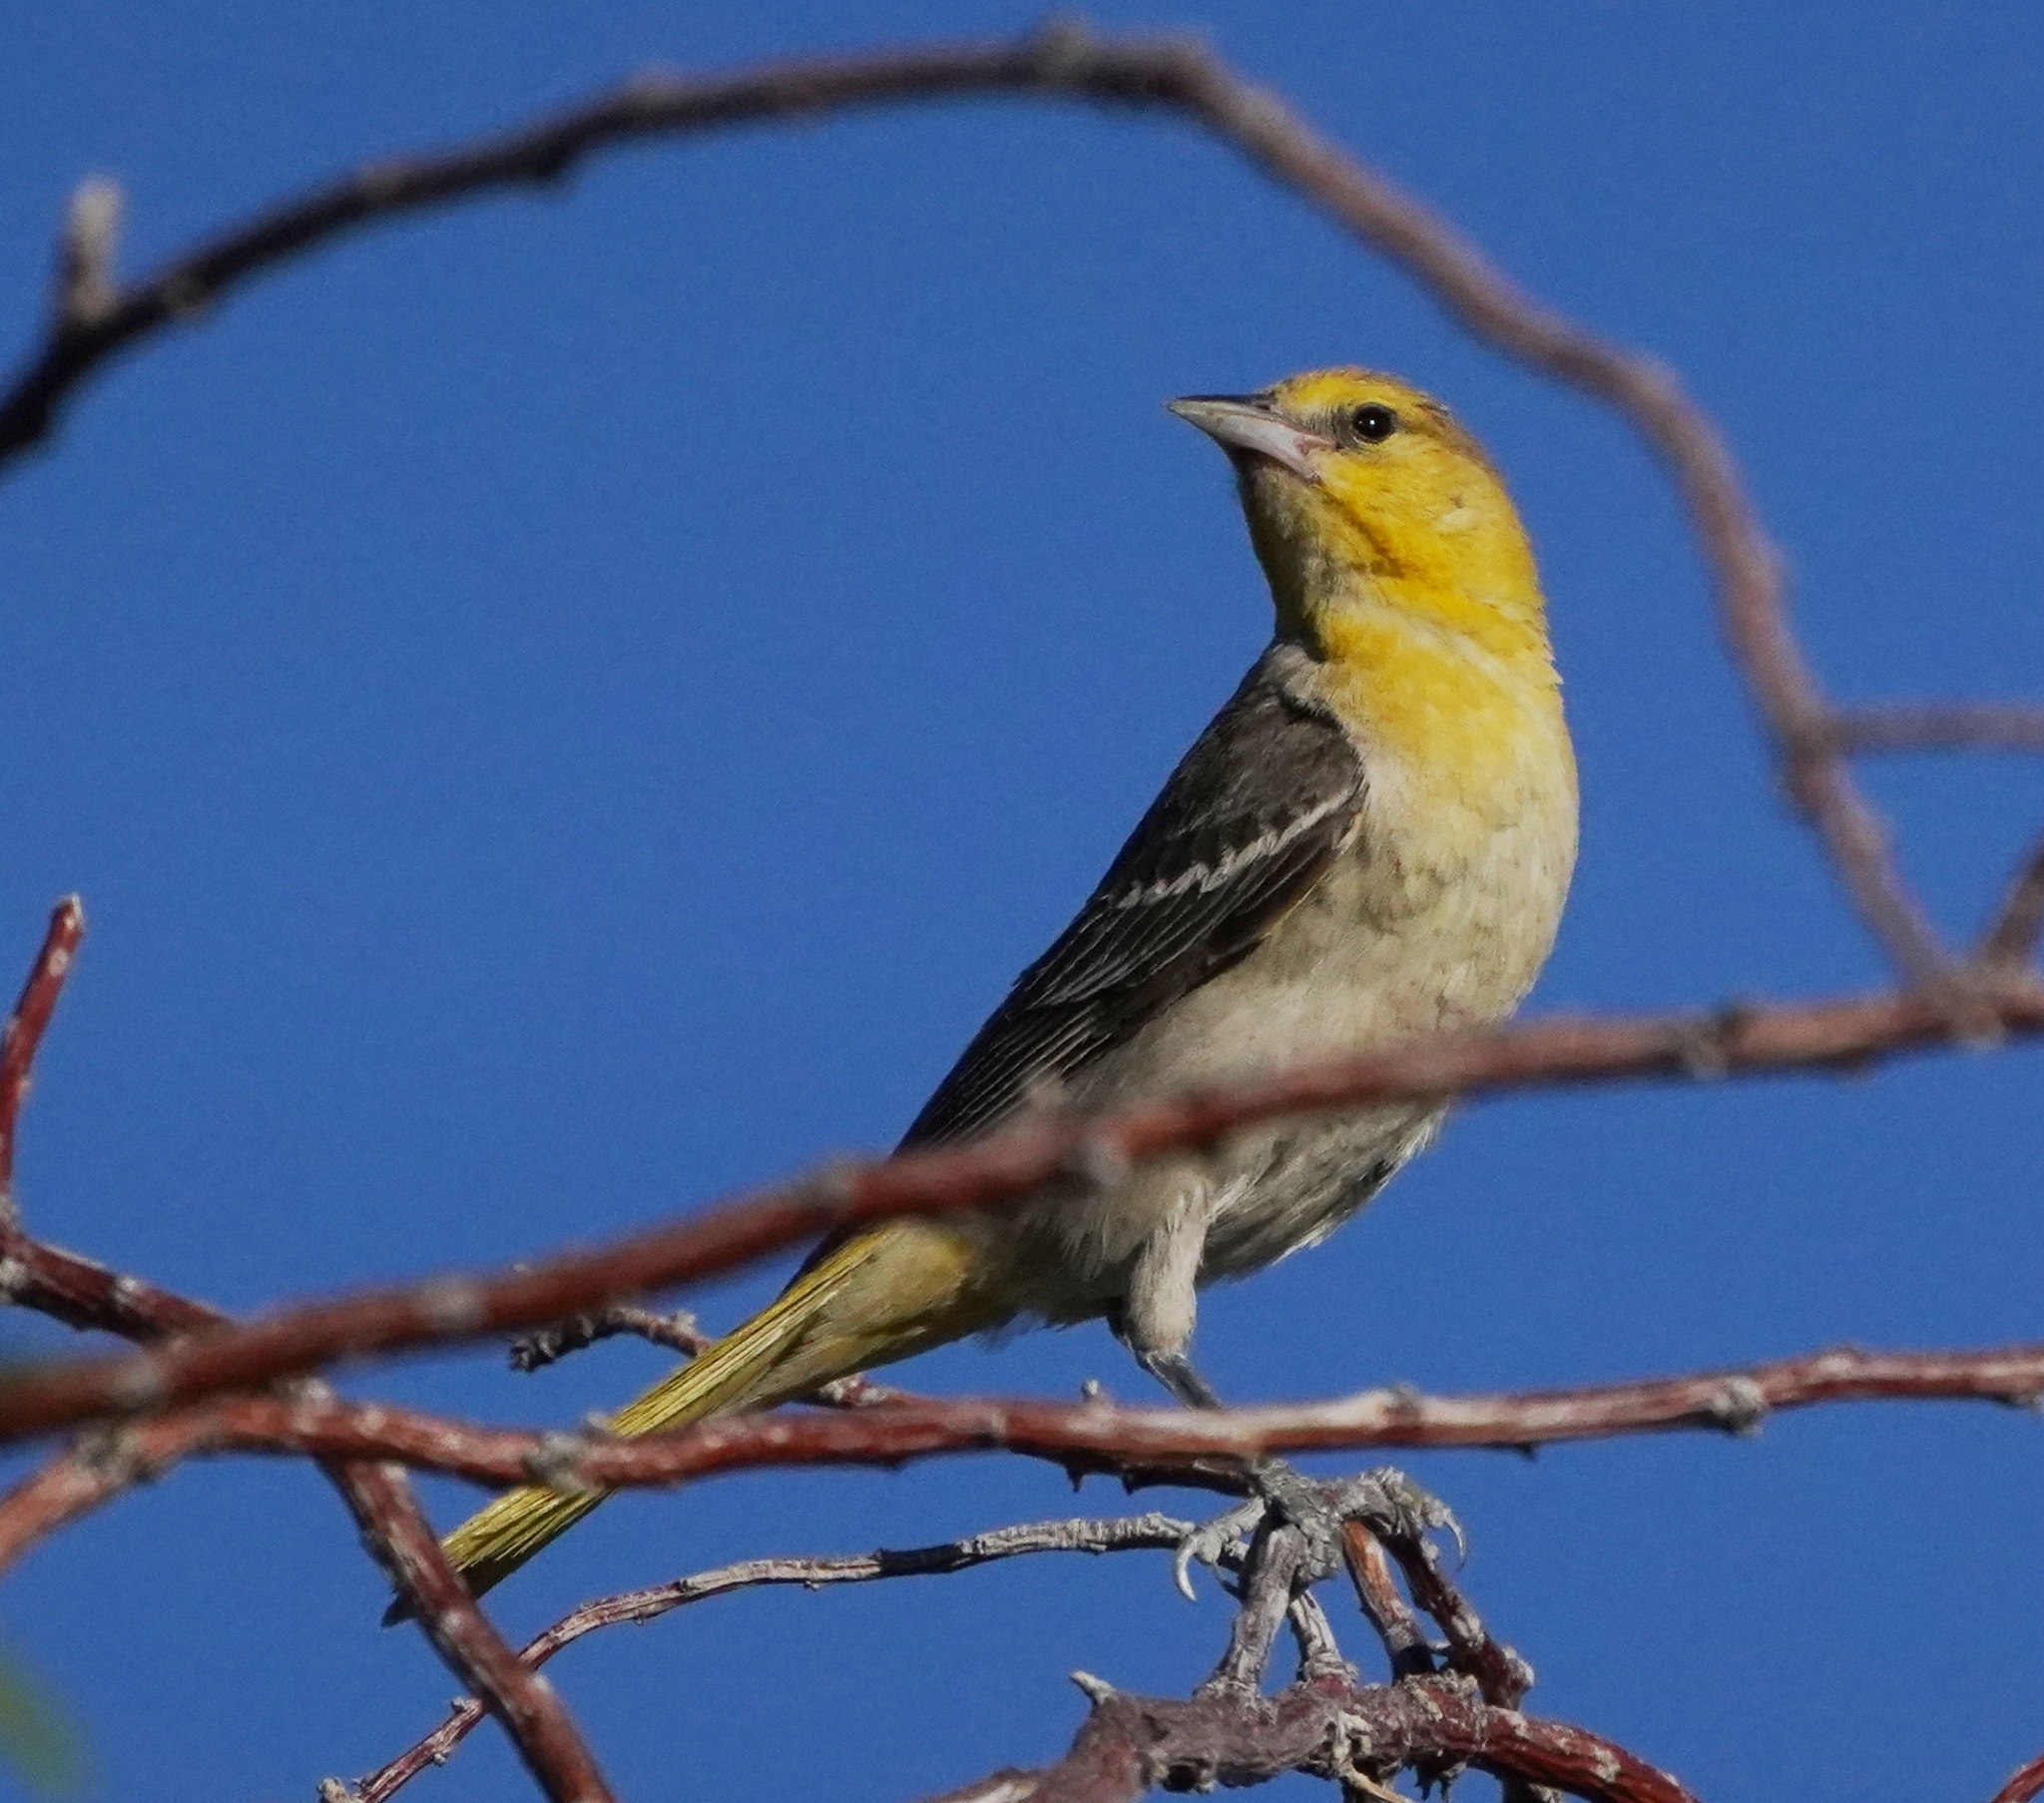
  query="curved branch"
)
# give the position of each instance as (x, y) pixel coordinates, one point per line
(1064, 61)
(451, 1310)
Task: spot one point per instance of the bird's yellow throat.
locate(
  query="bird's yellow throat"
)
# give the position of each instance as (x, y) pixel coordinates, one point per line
(1403, 568)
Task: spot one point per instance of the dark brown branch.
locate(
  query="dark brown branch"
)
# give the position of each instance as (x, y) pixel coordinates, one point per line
(2012, 941)
(1326, 1726)
(1201, 1449)
(449, 1311)
(1065, 62)
(23, 1034)
(1939, 726)
(1145, 1532)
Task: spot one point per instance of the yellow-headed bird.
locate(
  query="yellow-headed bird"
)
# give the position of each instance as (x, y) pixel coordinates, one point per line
(1370, 842)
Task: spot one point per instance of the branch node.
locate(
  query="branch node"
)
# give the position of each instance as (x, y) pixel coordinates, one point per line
(1739, 1407)
(87, 289)
(1060, 46)
(556, 1464)
(185, 296)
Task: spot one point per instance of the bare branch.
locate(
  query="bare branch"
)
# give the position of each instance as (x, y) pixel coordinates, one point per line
(1328, 1726)
(1939, 726)
(536, 1719)
(1376, 1593)
(1144, 1533)
(2012, 941)
(1201, 1449)
(677, 1332)
(105, 1463)
(451, 1310)
(2024, 1783)
(23, 1035)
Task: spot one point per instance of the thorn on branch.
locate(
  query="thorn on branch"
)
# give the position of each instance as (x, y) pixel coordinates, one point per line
(1097, 1690)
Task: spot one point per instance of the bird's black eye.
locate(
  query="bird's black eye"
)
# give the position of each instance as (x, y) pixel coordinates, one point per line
(1373, 422)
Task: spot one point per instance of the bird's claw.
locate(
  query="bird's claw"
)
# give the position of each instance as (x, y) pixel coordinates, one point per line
(1218, 1543)
(1389, 1504)
(1384, 1501)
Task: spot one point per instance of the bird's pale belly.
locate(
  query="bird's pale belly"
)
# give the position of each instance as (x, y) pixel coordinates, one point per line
(1384, 950)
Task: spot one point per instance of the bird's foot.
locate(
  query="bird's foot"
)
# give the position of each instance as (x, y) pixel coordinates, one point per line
(1384, 1501)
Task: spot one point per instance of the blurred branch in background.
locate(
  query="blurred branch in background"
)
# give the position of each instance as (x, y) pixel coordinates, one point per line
(204, 1384)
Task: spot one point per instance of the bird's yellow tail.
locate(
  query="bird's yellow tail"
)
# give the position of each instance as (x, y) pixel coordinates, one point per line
(881, 1296)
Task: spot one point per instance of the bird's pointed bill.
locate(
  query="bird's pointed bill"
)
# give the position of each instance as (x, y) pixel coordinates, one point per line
(1245, 423)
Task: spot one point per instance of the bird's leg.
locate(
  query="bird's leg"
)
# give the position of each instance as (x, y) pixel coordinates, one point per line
(1156, 1319)
(1280, 1491)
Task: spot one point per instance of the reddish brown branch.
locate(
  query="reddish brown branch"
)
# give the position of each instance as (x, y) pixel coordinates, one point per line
(24, 1031)
(2024, 1783)
(1326, 1726)
(1141, 1446)
(538, 1722)
(449, 1311)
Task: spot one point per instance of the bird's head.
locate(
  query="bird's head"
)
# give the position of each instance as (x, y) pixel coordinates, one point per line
(1363, 494)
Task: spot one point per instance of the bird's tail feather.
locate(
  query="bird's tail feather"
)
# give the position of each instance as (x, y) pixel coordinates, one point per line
(880, 1296)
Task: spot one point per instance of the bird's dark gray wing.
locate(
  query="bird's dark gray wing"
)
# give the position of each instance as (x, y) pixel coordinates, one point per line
(1248, 823)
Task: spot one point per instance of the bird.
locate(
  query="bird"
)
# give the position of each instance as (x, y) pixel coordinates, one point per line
(1371, 842)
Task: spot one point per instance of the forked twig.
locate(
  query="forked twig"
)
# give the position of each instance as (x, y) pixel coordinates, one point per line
(1151, 1533)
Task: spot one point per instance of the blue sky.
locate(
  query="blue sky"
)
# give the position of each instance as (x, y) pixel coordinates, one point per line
(561, 709)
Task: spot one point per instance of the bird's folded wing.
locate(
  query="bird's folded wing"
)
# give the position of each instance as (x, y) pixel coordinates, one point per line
(1249, 822)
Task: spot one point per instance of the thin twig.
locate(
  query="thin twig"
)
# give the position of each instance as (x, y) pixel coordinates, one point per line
(1144, 1533)
(677, 1332)
(1376, 1593)
(1066, 60)
(1939, 726)
(451, 1310)
(2011, 940)
(88, 283)
(538, 1722)
(23, 1034)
